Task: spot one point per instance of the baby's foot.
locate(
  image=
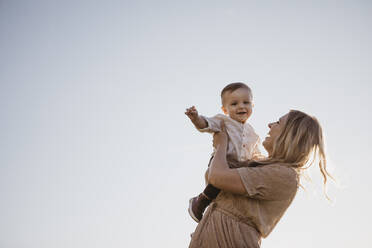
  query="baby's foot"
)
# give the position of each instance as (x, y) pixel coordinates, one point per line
(197, 205)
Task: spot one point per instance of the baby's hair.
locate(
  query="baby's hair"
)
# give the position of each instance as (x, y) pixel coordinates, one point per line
(233, 87)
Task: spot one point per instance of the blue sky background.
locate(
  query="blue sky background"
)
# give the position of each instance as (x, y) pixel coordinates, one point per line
(96, 150)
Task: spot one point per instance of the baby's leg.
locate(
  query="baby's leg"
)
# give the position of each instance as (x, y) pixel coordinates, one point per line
(210, 191)
(198, 204)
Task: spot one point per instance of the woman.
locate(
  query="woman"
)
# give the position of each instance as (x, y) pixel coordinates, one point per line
(255, 196)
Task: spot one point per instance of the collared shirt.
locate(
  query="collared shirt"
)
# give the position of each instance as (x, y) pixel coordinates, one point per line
(243, 140)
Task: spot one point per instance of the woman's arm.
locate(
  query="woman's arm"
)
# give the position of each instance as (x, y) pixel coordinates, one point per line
(220, 175)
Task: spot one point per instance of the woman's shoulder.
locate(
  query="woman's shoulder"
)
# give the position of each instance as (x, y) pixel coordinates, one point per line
(272, 170)
(283, 170)
(282, 167)
(271, 181)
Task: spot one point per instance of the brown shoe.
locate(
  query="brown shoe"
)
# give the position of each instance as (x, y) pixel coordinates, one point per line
(197, 205)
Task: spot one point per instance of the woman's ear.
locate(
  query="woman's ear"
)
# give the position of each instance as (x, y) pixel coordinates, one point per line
(224, 110)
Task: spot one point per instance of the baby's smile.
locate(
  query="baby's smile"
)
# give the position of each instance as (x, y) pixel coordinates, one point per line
(238, 104)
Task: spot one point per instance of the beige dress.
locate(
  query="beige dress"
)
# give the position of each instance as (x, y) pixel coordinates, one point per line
(240, 221)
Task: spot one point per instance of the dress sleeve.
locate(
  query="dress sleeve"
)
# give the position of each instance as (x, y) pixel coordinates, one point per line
(270, 182)
(214, 124)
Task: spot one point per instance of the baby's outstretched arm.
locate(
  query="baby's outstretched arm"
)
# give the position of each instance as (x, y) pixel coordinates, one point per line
(196, 119)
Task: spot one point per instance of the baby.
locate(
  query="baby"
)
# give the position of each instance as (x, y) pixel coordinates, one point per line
(243, 141)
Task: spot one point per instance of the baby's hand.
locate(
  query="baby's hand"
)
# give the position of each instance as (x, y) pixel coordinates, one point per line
(192, 113)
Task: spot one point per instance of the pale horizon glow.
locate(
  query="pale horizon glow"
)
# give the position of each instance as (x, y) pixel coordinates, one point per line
(96, 150)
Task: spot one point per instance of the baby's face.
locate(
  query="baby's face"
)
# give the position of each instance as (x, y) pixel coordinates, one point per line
(238, 104)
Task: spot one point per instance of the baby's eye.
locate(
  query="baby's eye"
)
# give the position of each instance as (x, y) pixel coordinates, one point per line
(234, 103)
(246, 102)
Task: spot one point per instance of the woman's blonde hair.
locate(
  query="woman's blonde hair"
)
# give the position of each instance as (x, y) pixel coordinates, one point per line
(299, 143)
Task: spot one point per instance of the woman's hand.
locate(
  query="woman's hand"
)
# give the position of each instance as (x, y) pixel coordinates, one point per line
(220, 138)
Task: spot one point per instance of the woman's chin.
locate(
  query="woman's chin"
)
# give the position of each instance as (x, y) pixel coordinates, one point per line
(266, 143)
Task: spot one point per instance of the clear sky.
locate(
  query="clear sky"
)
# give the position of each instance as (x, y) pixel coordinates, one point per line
(95, 149)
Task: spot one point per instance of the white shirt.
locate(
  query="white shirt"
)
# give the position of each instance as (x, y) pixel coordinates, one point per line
(243, 140)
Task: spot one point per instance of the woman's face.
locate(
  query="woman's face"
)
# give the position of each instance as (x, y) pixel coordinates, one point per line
(273, 133)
